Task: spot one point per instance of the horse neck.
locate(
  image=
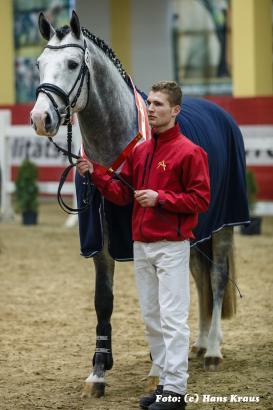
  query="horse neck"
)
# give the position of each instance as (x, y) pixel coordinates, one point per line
(109, 122)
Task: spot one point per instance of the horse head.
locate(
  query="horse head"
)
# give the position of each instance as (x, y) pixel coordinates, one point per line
(64, 76)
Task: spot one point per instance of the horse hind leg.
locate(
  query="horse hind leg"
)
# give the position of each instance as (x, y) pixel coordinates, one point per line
(102, 359)
(153, 377)
(221, 269)
(200, 269)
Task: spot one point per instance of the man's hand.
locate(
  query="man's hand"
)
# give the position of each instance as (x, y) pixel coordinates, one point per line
(83, 166)
(146, 197)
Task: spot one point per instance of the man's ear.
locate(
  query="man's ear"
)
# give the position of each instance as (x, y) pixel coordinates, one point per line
(176, 110)
(45, 27)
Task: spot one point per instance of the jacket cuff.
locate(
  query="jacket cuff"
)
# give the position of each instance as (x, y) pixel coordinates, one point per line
(99, 178)
(161, 198)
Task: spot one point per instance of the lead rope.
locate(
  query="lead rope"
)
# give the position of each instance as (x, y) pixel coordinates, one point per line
(87, 179)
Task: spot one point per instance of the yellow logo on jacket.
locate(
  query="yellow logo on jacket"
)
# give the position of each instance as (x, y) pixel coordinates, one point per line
(162, 164)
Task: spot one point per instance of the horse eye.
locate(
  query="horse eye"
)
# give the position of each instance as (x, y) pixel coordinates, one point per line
(72, 64)
(37, 65)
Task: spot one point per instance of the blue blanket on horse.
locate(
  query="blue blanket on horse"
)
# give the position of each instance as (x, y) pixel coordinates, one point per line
(209, 126)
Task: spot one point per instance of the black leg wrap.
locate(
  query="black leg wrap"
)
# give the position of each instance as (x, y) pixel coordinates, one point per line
(103, 351)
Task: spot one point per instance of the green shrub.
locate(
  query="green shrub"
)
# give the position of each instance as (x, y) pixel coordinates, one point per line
(26, 192)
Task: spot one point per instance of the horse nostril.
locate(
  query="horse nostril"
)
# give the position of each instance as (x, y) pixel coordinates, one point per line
(47, 121)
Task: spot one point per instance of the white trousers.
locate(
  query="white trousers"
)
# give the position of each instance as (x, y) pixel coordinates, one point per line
(162, 278)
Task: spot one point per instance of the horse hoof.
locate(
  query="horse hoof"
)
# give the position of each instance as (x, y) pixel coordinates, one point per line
(98, 390)
(93, 389)
(198, 351)
(87, 391)
(151, 384)
(212, 364)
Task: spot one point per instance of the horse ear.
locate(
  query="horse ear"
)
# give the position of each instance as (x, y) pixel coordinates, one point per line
(45, 27)
(75, 25)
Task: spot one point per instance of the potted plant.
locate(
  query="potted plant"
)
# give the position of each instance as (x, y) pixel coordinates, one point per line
(254, 228)
(26, 192)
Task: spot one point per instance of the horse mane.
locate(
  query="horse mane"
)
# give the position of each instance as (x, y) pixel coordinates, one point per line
(109, 52)
(63, 31)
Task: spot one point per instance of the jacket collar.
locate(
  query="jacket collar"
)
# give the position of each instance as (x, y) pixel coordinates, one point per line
(167, 135)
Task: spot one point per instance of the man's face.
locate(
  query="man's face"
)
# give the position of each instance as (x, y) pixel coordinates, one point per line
(160, 112)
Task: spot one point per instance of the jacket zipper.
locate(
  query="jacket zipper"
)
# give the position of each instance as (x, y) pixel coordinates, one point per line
(146, 162)
(145, 167)
(155, 137)
(179, 226)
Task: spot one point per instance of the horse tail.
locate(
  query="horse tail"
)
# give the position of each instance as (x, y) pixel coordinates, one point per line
(200, 267)
(207, 296)
(229, 301)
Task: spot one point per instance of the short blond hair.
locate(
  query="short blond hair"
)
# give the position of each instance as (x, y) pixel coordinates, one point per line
(172, 89)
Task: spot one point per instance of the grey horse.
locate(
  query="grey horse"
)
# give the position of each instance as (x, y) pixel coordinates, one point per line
(80, 74)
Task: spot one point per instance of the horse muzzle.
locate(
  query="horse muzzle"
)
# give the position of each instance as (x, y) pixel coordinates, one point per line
(44, 122)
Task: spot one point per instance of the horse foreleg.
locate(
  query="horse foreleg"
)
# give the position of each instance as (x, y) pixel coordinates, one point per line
(102, 359)
(221, 242)
(200, 269)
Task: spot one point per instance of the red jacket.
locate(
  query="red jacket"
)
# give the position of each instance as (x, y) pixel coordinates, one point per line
(174, 167)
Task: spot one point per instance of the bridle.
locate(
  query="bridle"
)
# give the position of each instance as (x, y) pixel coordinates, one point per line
(48, 89)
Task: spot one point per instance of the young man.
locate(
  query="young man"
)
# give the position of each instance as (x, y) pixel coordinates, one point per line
(171, 181)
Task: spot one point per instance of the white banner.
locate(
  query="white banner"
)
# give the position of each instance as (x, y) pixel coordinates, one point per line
(39, 150)
(258, 141)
